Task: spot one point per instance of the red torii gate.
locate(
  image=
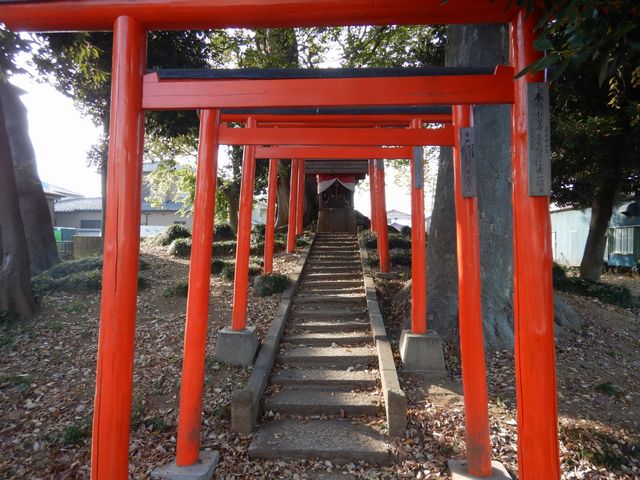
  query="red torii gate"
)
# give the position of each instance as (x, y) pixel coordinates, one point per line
(533, 293)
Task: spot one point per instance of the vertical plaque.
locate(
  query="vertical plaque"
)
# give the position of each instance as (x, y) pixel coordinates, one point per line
(468, 176)
(539, 139)
(418, 167)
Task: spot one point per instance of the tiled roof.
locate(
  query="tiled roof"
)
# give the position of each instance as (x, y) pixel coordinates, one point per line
(94, 204)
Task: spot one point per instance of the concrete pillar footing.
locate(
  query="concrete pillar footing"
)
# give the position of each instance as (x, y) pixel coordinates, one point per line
(386, 275)
(236, 347)
(203, 470)
(458, 469)
(422, 354)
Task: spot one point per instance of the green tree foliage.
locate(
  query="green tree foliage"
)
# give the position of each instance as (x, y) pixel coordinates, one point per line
(593, 52)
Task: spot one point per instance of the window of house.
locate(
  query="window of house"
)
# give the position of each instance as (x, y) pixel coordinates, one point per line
(177, 222)
(622, 240)
(90, 223)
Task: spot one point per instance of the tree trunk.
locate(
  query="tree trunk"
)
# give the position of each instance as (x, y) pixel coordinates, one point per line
(34, 209)
(476, 45)
(479, 45)
(311, 200)
(233, 197)
(282, 196)
(16, 298)
(601, 210)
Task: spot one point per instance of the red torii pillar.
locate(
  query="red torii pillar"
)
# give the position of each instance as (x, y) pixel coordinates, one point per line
(195, 336)
(300, 199)
(474, 375)
(238, 345)
(269, 231)
(538, 449)
(420, 349)
(293, 202)
(114, 376)
(372, 195)
(381, 217)
(418, 242)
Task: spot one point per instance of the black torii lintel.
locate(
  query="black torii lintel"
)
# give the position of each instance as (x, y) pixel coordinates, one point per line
(384, 110)
(293, 73)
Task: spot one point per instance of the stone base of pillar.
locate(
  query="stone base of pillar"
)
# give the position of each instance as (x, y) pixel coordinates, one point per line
(236, 347)
(386, 275)
(458, 469)
(422, 353)
(203, 470)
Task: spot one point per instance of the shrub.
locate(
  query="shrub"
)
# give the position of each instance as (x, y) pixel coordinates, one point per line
(177, 289)
(392, 229)
(83, 275)
(396, 242)
(257, 248)
(224, 248)
(229, 271)
(259, 230)
(82, 281)
(217, 265)
(180, 247)
(371, 241)
(172, 233)
(270, 284)
(405, 231)
(74, 266)
(222, 232)
(400, 257)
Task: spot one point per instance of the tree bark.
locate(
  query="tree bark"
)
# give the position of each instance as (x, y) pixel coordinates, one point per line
(476, 45)
(34, 209)
(16, 298)
(282, 196)
(601, 210)
(311, 200)
(479, 45)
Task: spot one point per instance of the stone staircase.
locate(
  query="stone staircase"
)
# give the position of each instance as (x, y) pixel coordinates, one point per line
(325, 393)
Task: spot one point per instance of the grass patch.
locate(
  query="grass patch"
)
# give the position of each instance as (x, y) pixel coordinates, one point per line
(76, 434)
(608, 388)
(19, 380)
(271, 284)
(75, 306)
(172, 233)
(177, 289)
(611, 294)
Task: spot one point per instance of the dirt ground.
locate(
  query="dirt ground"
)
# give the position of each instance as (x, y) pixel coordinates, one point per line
(47, 378)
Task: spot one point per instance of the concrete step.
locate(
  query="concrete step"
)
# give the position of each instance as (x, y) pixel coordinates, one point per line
(339, 441)
(350, 299)
(342, 313)
(331, 284)
(328, 339)
(329, 326)
(320, 275)
(301, 401)
(330, 291)
(333, 262)
(333, 378)
(334, 356)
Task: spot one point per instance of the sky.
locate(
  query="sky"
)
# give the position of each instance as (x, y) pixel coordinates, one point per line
(62, 137)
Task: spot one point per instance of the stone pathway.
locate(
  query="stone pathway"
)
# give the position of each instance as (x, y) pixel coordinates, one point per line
(325, 388)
